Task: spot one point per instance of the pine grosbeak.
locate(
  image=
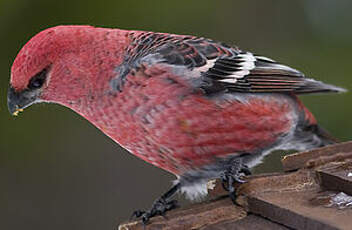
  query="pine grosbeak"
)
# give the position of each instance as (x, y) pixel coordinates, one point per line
(192, 106)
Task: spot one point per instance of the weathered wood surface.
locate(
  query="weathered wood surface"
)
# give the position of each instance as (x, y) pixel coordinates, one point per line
(295, 200)
(299, 199)
(249, 222)
(336, 176)
(320, 155)
(194, 217)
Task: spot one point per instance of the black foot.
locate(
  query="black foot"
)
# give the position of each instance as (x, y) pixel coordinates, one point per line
(245, 170)
(232, 174)
(159, 207)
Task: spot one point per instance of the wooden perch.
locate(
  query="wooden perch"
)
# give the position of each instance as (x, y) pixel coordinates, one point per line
(301, 199)
(299, 160)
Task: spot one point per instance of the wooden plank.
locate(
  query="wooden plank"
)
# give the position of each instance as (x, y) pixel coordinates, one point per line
(299, 160)
(336, 176)
(291, 200)
(194, 217)
(247, 223)
(291, 215)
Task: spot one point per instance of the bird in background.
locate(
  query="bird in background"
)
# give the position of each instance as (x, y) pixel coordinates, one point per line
(197, 108)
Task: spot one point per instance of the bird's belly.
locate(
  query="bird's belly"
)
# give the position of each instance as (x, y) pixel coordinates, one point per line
(180, 134)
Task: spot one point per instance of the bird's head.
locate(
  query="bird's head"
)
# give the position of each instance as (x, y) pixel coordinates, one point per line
(62, 65)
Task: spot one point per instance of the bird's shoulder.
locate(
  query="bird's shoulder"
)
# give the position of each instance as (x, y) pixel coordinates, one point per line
(184, 50)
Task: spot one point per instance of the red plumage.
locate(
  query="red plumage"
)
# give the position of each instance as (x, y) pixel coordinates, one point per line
(189, 105)
(166, 124)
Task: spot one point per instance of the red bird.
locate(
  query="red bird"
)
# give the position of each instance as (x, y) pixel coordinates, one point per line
(192, 106)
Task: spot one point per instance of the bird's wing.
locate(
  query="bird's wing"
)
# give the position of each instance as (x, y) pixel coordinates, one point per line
(219, 67)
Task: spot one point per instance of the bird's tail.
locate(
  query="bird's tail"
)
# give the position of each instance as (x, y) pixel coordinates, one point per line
(311, 137)
(309, 134)
(324, 136)
(313, 86)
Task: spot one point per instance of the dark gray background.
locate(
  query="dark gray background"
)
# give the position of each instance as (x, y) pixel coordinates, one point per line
(57, 171)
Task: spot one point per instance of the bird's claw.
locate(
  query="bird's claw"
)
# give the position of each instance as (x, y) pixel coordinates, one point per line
(159, 208)
(231, 175)
(137, 214)
(225, 180)
(245, 170)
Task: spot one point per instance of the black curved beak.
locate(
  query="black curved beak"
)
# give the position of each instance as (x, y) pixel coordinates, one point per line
(17, 101)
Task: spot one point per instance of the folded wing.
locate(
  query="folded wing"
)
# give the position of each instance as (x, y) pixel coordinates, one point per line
(247, 72)
(218, 67)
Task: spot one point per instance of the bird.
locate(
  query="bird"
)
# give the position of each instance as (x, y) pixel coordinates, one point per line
(195, 107)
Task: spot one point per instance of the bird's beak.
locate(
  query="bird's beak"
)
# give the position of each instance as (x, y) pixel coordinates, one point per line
(17, 101)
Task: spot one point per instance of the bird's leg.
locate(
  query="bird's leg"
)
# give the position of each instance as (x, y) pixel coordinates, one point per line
(160, 206)
(231, 174)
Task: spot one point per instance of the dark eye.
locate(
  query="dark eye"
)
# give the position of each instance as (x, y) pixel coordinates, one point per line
(38, 80)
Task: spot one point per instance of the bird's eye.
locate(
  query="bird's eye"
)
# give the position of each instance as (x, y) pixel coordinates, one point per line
(38, 80)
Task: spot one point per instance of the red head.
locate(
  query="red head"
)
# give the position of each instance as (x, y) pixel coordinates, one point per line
(63, 64)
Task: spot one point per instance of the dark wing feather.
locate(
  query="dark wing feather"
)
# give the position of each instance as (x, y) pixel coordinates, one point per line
(256, 74)
(220, 67)
(175, 49)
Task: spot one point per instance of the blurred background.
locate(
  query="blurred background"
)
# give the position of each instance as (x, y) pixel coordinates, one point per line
(57, 171)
